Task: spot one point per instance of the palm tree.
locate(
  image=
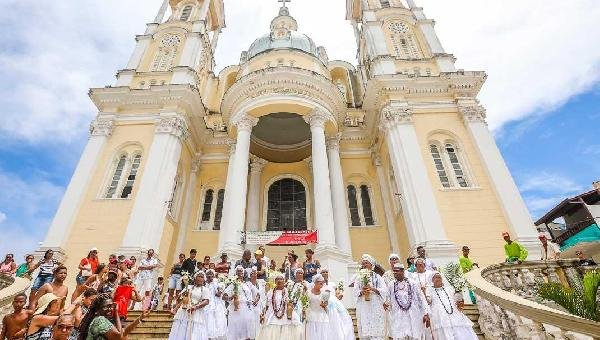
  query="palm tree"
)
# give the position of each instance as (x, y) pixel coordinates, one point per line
(579, 301)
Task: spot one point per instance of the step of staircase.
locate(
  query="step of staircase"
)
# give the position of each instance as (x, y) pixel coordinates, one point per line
(157, 325)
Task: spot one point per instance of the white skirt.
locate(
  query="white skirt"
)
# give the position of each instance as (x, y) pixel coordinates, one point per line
(281, 332)
(318, 331)
(179, 330)
(455, 333)
(216, 322)
(242, 324)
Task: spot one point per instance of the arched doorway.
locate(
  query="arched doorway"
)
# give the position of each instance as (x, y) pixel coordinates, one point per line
(286, 209)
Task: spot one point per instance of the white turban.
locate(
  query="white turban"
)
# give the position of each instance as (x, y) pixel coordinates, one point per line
(200, 273)
(248, 271)
(369, 258)
(394, 256)
(210, 271)
(238, 268)
(318, 278)
(419, 259)
(299, 270)
(279, 276)
(433, 275)
(323, 269)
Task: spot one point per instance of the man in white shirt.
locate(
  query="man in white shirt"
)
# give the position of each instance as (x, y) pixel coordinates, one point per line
(146, 275)
(550, 250)
(429, 265)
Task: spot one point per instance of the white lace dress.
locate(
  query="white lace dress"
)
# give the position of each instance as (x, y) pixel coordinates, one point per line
(407, 308)
(276, 325)
(216, 313)
(242, 323)
(340, 320)
(447, 322)
(370, 314)
(317, 319)
(199, 325)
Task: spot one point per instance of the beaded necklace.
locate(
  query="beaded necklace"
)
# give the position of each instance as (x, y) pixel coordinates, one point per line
(402, 306)
(447, 298)
(279, 312)
(248, 301)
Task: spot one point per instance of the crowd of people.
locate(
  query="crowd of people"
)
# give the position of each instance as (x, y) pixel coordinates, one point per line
(253, 298)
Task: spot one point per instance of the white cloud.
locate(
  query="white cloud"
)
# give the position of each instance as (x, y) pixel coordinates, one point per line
(30, 204)
(537, 53)
(2, 217)
(548, 182)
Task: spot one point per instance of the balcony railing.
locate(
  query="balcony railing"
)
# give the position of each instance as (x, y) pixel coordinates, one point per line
(510, 308)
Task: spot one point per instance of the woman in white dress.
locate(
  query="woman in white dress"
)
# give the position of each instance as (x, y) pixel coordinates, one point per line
(339, 318)
(447, 321)
(260, 286)
(317, 319)
(370, 298)
(216, 314)
(190, 320)
(242, 297)
(277, 324)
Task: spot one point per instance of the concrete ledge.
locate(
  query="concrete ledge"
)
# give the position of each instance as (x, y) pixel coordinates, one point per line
(529, 309)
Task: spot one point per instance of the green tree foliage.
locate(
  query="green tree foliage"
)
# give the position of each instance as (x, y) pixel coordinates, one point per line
(580, 301)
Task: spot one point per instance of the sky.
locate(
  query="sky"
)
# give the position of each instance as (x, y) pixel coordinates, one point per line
(542, 58)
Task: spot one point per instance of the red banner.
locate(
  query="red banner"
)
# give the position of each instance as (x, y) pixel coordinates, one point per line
(294, 238)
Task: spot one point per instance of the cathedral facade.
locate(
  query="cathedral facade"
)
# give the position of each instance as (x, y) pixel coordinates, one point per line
(378, 157)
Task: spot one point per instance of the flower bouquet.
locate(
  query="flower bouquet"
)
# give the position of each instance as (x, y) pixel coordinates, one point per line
(293, 296)
(235, 295)
(365, 277)
(454, 275)
(304, 302)
(185, 279)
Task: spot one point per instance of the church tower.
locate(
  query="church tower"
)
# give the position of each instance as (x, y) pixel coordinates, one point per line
(443, 161)
(127, 192)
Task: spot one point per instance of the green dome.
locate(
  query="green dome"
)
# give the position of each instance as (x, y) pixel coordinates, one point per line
(294, 41)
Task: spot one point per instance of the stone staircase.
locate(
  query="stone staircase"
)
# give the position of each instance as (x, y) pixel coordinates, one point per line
(158, 324)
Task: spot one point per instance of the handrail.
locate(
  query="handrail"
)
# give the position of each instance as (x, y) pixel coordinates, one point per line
(529, 309)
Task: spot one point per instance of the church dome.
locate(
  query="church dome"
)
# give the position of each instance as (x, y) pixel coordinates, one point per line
(292, 40)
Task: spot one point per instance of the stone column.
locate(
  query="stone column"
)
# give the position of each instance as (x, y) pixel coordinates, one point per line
(338, 196)
(422, 217)
(514, 208)
(235, 195)
(59, 231)
(160, 16)
(145, 227)
(321, 185)
(253, 218)
(227, 187)
(387, 204)
(187, 207)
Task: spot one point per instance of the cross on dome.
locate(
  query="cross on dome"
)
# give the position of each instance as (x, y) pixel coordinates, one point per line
(283, 2)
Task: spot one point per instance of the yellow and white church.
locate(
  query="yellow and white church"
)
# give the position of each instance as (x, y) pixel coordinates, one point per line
(378, 157)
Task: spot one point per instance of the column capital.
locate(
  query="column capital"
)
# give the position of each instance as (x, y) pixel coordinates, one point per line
(245, 123)
(376, 158)
(101, 127)
(174, 125)
(472, 113)
(196, 162)
(333, 142)
(257, 164)
(393, 114)
(317, 118)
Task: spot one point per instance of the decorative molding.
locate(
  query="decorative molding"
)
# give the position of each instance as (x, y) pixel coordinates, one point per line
(392, 115)
(334, 142)
(317, 118)
(174, 125)
(101, 127)
(197, 162)
(257, 164)
(376, 159)
(246, 123)
(472, 113)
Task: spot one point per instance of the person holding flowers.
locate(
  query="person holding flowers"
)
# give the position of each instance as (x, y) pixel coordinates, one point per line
(317, 319)
(242, 297)
(339, 318)
(278, 321)
(369, 289)
(216, 314)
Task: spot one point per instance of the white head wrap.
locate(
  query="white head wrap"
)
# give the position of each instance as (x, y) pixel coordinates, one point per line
(248, 271)
(238, 268)
(279, 276)
(254, 270)
(299, 270)
(210, 271)
(394, 256)
(323, 269)
(318, 278)
(434, 274)
(419, 259)
(200, 273)
(369, 258)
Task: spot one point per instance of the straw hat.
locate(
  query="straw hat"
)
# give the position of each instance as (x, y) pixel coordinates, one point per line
(45, 301)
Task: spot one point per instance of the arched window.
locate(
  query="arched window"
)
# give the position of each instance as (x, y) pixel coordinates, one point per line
(185, 13)
(219, 209)
(135, 165)
(359, 204)
(366, 205)
(459, 174)
(116, 178)
(439, 165)
(353, 206)
(404, 42)
(207, 209)
(286, 205)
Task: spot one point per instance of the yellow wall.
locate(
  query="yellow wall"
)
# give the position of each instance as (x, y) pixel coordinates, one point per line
(471, 216)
